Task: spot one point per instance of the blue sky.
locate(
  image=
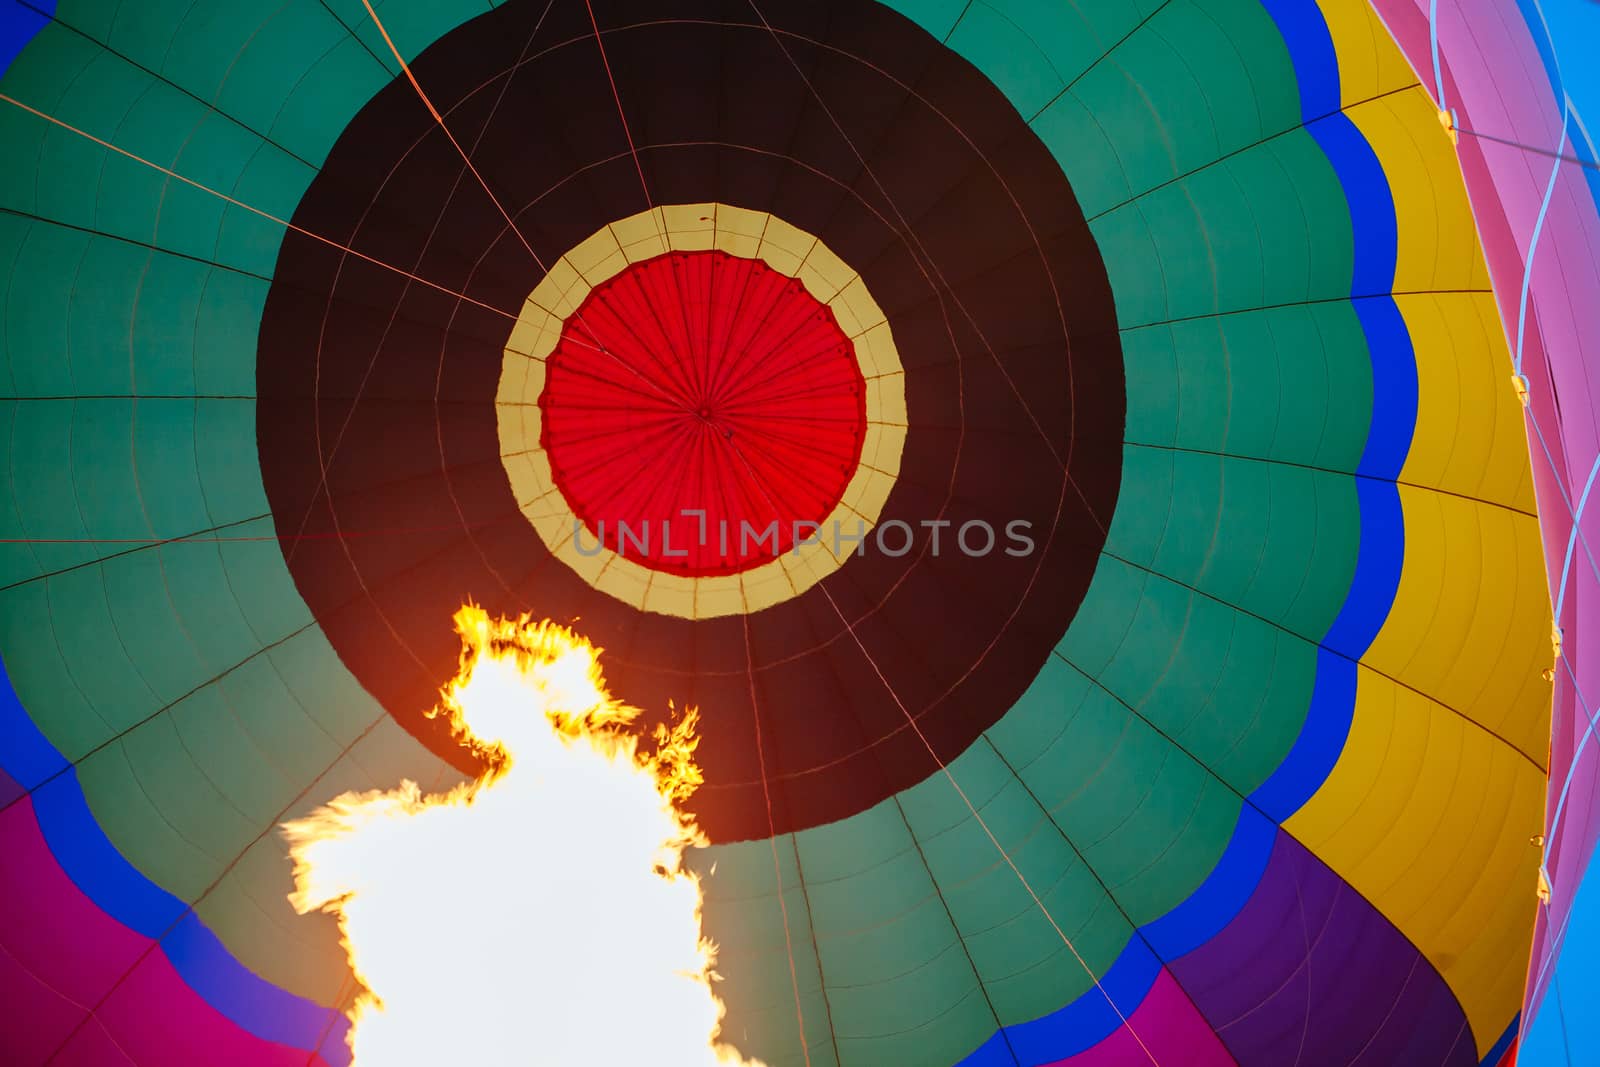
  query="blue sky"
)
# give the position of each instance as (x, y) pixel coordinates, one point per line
(1569, 1036)
(1575, 30)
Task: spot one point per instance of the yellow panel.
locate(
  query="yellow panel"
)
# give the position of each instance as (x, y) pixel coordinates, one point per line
(765, 586)
(739, 221)
(875, 349)
(1438, 243)
(690, 227)
(1370, 62)
(1469, 436)
(1470, 625)
(714, 601)
(886, 400)
(1429, 817)
(862, 307)
(671, 594)
(590, 257)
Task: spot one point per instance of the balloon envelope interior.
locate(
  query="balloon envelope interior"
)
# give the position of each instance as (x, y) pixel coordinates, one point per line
(1224, 745)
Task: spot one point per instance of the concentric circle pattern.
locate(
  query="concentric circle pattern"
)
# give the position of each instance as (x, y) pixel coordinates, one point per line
(1004, 331)
(1223, 746)
(784, 560)
(704, 384)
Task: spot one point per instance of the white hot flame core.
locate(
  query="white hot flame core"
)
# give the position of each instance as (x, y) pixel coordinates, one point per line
(538, 915)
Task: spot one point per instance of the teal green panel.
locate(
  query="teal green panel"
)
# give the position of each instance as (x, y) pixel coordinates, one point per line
(1134, 265)
(1110, 21)
(1182, 251)
(94, 18)
(207, 725)
(385, 753)
(1149, 818)
(141, 31)
(1325, 395)
(322, 685)
(1277, 541)
(1189, 810)
(298, 953)
(199, 47)
(743, 916)
(1080, 142)
(225, 331)
(1168, 661)
(273, 61)
(245, 60)
(155, 640)
(1099, 630)
(13, 235)
(56, 59)
(999, 47)
(163, 327)
(133, 820)
(104, 480)
(1030, 735)
(194, 580)
(216, 155)
(165, 462)
(261, 585)
(1063, 34)
(288, 737)
(271, 183)
(94, 659)
(321, 103)
(1153, 376)
(1203, 69)
(36, 664)
(44, 492)
(1171, 99)
(135, 201)
(1292, 384)
(105, 291)
(38, 295)
(183, 798)
(17, 560)
(1254, 712)
(1108, 99)
(225, 452)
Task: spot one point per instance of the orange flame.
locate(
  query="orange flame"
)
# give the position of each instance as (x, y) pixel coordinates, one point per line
(540, 914)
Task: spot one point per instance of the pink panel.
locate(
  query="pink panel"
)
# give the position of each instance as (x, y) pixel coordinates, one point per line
(1496, 81)
(92, 1047)
(47, 925)
(50, 1016)
(160, 1022)
(1170, 1027)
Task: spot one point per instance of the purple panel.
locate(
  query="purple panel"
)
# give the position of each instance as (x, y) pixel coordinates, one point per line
(1311, 973)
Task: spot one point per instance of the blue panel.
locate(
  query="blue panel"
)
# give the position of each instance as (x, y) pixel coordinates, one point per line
(93, 863)
(25, 753)
(19, 24)
(1498, 1050)
(1316, 750)
(88, 857)
(250, 1001)
(1222, 895)
(1091, 1018)
(1378, 565)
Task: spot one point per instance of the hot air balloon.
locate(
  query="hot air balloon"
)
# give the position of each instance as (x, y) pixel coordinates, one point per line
(1106, 473)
